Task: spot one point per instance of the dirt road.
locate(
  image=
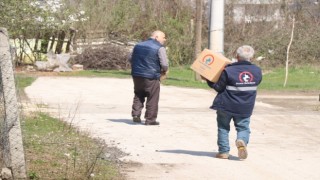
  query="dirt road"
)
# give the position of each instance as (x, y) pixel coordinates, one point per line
(285, 141)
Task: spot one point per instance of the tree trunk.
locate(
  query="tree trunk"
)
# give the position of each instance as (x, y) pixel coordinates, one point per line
(45, 43)
(70, 41)
(36, 42)
(61, 37)
(52, 41)
(288, 49)
(198, 28)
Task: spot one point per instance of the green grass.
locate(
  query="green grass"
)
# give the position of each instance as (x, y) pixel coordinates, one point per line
(183, 77)
(299, 78)
(98, 73)
(23, 81)
(178, 76)
(303, 78)
(55, 150)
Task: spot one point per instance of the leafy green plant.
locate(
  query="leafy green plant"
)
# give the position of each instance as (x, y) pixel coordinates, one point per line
(33, 175)
(124, 14)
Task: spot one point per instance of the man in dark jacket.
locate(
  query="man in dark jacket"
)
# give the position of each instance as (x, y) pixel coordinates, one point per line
(148, 62)
(237, 89)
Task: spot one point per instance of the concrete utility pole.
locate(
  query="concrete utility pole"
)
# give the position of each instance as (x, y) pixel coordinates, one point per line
(13, 153)
(216, 26)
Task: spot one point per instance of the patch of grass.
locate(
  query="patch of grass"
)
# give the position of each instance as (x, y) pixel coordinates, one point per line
(98, 73)
(299, 78)
(183, 77)
(23, 81)
(56, 151)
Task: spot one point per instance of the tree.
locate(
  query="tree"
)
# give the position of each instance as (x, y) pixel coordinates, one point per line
(198, 32)
(288, 50)
(39, 20)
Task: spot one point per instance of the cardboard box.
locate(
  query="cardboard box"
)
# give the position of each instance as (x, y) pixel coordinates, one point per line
(210, 64)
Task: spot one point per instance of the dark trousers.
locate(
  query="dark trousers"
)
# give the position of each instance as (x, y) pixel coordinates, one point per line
(146, 88)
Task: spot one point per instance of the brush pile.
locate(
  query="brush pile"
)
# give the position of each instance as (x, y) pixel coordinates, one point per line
(104, 57)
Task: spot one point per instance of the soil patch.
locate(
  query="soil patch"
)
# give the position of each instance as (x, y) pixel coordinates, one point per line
(294, 100)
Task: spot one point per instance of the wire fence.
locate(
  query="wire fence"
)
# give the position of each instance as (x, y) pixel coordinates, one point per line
(11, 145)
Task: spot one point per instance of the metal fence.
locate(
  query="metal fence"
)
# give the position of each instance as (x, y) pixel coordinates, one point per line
(11, 146)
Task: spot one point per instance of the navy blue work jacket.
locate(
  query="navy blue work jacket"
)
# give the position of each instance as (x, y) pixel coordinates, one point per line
(237, 89)
(145, 61)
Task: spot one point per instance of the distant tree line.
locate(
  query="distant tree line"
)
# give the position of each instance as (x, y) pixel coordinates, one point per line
(128, 20)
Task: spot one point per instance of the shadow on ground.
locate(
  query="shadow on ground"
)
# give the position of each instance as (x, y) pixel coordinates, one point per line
(126, 121)
(197, 153)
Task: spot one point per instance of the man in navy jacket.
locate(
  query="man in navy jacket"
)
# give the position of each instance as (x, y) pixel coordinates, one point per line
(237, 89)
(148, 62)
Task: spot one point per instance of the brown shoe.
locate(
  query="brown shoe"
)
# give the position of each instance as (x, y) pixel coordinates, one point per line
(242, 149)
(222, 155)
(151, 123)
(136, 119)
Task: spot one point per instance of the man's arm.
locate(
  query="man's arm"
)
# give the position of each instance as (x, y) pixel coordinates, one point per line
(163, 59)
(130, 57)
(219, 86)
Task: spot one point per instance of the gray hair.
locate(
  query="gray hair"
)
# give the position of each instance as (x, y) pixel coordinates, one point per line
(245, 53)
(156, 33)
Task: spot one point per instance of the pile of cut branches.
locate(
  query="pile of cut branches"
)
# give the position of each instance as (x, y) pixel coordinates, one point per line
(105, 57)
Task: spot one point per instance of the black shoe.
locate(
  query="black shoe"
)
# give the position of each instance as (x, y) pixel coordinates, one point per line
(151, 123)
(136, 119)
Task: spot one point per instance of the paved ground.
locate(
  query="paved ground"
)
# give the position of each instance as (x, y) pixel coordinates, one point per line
(285, 139)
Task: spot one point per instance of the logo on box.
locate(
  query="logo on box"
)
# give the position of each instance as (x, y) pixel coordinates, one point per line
(208, 59)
